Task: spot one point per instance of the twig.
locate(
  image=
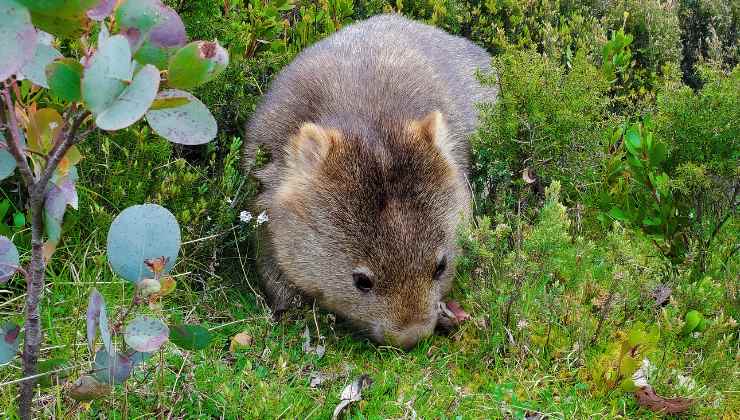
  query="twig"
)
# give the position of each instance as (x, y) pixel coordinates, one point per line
(14, 142)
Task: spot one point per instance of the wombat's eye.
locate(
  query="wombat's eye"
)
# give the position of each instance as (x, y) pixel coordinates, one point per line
(441, 267)
(362, 282)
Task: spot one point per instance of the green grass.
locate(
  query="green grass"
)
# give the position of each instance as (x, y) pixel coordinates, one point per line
(548, 289)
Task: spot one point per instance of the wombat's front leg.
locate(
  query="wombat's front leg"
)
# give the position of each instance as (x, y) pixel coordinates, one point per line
(281, 296)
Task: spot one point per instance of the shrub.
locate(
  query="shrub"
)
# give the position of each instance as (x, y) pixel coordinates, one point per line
(546, 124)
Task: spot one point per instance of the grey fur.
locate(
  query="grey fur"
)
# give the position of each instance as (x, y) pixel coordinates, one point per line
(368, 81)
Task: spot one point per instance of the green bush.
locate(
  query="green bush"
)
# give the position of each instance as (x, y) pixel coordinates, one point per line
(546, 121)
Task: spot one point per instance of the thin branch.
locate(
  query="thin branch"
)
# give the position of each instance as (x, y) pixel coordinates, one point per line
(14, 142)
(61, 146)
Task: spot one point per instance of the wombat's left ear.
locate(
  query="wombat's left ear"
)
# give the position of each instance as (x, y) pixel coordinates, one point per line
(310, 146)
(433, 128)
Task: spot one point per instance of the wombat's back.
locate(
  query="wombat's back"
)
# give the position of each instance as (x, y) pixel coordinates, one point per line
(382, 71)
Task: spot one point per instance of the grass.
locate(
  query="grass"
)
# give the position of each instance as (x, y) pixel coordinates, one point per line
(484, 370)
(548, 292)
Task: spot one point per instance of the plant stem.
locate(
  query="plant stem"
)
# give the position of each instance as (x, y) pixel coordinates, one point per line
(36, 190)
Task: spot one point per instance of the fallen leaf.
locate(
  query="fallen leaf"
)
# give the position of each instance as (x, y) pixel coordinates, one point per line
(240, 341)
(88, 388)
(156, 264)
(352, 393)
(317, 378)
(319, 350)
(647, 398)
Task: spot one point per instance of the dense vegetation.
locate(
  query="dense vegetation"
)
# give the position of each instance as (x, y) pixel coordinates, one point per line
(606, 180)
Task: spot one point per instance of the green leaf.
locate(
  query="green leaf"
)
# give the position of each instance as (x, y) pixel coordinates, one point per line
(19, 219)
(633, 141)
(140, 233)
(172, 102)
(652, 221)
(35, 69)
(62, 8)
(628, 385)
(693, 319)
(191, 123)
(133, 103)
(190, 337)
(9, 259)
(196, 63)
(146, 334)
(139, 14)
(17, 38)
(60, 26)
(657, 154)
(64, 77)
(618, 214)
(105, 77)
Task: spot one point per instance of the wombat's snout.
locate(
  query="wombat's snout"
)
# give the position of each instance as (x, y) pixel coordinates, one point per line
(407, 336)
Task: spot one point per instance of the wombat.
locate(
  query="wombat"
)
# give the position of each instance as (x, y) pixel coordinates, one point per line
(368, 135)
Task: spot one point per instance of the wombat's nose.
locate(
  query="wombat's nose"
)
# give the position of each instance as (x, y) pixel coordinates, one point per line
(407, 337)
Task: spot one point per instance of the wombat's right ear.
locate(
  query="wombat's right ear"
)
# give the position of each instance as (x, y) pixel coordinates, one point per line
(310, 146)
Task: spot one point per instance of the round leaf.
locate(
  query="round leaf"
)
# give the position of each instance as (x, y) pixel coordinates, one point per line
(146, 334)
(35, 69)
(17, 37)
(103, 79)
(9, 259)
(191, 123)
(133, 102)
(64, 77)
(8, 342)
(139, 14)
(190, 337)
(196, 63)
(140, 233)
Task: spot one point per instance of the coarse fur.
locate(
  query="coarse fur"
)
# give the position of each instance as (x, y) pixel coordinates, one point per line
(368, 135)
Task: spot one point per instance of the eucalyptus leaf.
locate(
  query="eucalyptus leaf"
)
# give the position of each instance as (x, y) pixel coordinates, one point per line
(112, 369)
(196, 63)
(140, 233)
(35, 69)
(191, 123)
(17, 37)
(9, 259)
(7, 161)
(146, 334)
(105, 77)
(64, 77)
(102, 10)
(133, 103)
(97, 317)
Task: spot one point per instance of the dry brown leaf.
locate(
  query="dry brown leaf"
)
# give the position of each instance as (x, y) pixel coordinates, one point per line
(240, 341)
(647, 398)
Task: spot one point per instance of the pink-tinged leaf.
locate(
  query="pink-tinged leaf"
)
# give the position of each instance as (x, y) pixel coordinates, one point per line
(146, 334)
(17, 38)
(112, 370)
(102, 10)
(8, 342)
(97, 317)
(170, 31)
(59, 194)
(95, 302)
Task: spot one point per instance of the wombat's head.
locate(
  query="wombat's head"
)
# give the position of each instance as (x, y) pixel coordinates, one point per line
(365, 221)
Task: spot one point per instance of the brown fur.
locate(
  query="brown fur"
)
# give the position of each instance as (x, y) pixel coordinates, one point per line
(368, 133)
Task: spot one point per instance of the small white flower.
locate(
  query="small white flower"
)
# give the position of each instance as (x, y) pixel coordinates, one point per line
(262, 218)
(245, 216)
(522, 324)
(229, 200)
